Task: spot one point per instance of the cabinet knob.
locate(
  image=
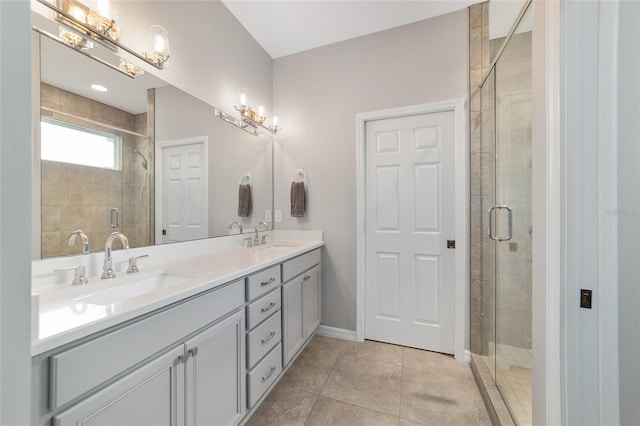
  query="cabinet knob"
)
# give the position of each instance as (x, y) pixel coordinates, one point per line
(184, 357)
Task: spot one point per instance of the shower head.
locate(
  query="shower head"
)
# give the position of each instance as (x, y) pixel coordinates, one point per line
(145, 163)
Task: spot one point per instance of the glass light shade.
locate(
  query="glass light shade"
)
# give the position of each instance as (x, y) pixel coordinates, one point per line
(160, 44)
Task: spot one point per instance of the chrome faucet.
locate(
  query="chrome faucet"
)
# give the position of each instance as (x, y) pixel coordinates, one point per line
(107, 271)
(256, 240)
(235, 223)
(83, 237)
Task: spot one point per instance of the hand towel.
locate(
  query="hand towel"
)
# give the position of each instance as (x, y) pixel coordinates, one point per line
(244, 200)
(298, 202)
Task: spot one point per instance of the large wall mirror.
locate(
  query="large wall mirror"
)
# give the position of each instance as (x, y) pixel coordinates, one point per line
(143, 158)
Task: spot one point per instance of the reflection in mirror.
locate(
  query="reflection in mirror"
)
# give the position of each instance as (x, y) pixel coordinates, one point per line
(117, 189)
(234, 158)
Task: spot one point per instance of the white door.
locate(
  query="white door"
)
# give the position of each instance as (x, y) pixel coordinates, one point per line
(184, 193)
(410, 193)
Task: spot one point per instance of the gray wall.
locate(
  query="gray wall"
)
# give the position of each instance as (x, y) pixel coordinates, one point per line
(317, 95)
(15, 211)
(629, 202)
(212, 56)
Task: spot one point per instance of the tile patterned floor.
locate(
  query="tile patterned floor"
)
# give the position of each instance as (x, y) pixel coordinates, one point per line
(336, 382)
(514, 380)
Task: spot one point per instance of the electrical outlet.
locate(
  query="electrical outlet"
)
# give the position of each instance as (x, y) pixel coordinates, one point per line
(278, 215)
(585, 298)
(267, 215)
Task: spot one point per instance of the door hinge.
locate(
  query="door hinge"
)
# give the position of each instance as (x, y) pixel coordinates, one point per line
(451, 244)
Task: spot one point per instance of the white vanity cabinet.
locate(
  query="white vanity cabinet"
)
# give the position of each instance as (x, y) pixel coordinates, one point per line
(208, 359)
(182, 365)
(197, 382)
(264, 359)
(301, 299)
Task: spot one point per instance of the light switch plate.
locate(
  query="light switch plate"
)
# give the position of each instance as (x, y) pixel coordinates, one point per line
(267, 215)
(278, 215)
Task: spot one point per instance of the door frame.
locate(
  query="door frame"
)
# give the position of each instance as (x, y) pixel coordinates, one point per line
(462, 213)
(159, 146)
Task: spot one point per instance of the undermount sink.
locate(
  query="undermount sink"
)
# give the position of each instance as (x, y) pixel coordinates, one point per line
(134, 287)
(281, 246)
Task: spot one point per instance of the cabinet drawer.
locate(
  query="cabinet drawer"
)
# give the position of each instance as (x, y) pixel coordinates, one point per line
(263, 282)
(299, 264)
(263, 338)
(85, 366)
(263, 375)
(262, 308)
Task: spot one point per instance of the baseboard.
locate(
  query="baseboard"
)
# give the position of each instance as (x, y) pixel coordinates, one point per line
(338, 333)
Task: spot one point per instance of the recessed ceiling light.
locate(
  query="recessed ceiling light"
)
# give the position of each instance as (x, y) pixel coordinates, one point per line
(99, 88)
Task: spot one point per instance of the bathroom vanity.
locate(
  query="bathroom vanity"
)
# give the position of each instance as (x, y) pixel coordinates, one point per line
(204, 346)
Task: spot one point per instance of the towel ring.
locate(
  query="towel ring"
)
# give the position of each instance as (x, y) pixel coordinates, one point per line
(246, 176)
(300, 176)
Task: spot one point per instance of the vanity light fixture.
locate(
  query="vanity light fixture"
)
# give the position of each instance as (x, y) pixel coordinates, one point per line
(87, 20)
(81, 25)
(130, 69)
(86, 53)
(253, 118)
(246, 124)
(75, 40)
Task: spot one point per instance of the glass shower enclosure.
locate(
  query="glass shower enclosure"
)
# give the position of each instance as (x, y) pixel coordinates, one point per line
(506, 247)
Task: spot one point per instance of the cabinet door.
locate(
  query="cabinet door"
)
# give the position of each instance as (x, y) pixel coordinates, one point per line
(311, 300)
(292, 329)
(216, 374)
(147, 396)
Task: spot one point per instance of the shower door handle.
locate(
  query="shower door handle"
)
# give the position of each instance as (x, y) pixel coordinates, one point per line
(509, 223)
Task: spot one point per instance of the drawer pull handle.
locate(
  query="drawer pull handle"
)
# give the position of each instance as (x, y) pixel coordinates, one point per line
(268, 308)
(306, 277)
(269, 337)
(194, 351)
(270, 281)
(269, 374)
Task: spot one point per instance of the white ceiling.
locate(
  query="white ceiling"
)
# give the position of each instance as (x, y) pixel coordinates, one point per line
(286, 27)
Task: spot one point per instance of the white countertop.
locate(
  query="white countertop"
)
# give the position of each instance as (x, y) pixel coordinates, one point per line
(66, 313)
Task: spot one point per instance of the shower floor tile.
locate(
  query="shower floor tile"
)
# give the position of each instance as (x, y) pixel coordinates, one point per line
(514, 380)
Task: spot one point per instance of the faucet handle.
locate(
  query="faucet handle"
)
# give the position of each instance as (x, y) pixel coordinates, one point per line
(264, 239)
(249, 241)
(80, 277)
(133, 264)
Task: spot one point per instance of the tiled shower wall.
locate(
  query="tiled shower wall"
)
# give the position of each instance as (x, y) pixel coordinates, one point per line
(482, 182)
(79, 197)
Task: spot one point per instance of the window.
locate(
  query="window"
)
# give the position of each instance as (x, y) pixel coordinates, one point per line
(67, 143)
